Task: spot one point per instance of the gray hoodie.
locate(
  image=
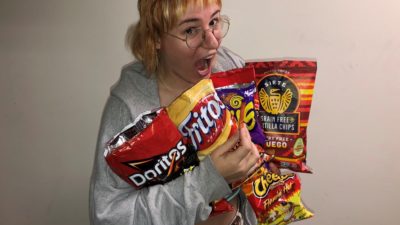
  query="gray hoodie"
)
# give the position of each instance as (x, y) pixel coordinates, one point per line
(183, 201)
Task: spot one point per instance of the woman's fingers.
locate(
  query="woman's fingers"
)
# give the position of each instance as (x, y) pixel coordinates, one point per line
(238, 157)
(228, 145)
(274, 168)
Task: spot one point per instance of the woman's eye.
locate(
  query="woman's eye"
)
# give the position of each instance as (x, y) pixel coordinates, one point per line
(214, 22)
(191, 31)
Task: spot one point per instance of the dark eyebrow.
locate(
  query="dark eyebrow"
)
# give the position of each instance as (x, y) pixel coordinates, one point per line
(196, 19)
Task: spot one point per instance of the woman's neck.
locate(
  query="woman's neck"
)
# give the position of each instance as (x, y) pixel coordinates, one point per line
(170, 86)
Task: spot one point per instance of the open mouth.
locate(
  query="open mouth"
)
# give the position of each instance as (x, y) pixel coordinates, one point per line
(203, 66)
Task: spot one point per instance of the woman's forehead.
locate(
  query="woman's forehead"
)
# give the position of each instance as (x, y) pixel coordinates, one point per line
(199, 13)
(179, 10)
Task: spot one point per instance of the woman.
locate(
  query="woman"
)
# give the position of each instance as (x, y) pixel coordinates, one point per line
(177, 43)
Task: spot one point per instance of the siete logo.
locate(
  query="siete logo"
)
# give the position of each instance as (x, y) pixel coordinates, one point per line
(278, 94)
(157, 168)
(279, 98)
(207, 117)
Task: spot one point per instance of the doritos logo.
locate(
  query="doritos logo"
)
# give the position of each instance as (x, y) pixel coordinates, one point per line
(162, 168)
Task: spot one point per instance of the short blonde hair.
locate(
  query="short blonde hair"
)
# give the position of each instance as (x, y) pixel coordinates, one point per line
(156, 17)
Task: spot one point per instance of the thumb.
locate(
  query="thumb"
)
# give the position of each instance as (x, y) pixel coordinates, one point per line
(244, 132)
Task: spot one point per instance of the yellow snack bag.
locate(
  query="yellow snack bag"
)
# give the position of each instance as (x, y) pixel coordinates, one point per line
(202, 118)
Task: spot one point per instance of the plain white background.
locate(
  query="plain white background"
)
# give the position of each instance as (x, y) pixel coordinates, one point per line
(58, 60)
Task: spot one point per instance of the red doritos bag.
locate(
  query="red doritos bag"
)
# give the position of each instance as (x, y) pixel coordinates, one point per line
(142, 157)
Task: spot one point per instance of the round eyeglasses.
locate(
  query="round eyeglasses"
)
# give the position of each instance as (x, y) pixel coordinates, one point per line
(194, 37)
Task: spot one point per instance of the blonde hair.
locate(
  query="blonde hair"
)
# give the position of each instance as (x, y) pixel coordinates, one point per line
(156, 17)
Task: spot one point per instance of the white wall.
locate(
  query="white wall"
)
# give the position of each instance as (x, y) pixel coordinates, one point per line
(59, 58)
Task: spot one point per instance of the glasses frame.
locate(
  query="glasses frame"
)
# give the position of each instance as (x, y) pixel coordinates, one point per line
(223, 18)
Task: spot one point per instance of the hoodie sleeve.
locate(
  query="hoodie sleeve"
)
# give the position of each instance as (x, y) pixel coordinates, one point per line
(184, 200)
(227, 60)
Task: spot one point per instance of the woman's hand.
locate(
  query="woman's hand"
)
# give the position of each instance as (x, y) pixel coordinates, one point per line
(238, 157)
(274, 168)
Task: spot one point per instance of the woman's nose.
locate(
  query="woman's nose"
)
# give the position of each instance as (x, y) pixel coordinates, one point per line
(210, 41)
